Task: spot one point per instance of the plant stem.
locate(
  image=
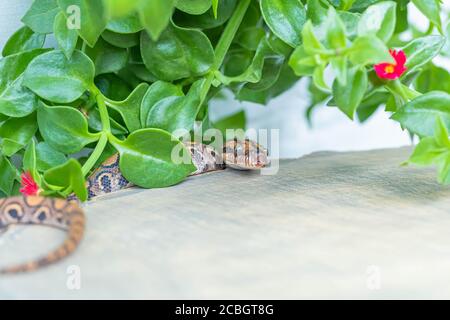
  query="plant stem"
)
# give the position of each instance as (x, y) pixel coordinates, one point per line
(106, 125)
(92, 160)
(397, 87)
(229, 33)
(411, 93)
(224, 44)
(104, 116)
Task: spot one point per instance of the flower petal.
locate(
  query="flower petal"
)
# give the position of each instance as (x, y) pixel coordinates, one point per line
(29, 186)
(380, 70)
(400, 58)
(399, 70)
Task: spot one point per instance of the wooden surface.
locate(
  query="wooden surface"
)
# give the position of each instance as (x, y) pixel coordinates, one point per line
(330, 225)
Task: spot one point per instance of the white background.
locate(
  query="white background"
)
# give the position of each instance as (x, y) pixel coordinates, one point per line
(332, 130)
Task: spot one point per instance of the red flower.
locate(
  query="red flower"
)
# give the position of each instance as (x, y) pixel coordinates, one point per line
(392, 71)
(29, 186)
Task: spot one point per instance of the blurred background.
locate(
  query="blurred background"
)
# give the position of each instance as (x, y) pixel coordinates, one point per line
(331, 129)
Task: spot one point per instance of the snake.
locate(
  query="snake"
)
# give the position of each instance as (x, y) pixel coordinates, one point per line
(68, 215)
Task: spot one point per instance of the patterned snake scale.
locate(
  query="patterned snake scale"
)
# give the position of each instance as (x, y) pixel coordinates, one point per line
(68, 216)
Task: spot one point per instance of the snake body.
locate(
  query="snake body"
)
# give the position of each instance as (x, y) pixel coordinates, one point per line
(67, 215)
(56, 213)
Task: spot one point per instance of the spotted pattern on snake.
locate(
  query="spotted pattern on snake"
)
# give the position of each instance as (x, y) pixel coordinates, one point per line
(108, 178)
(67, 215)
(56, 213)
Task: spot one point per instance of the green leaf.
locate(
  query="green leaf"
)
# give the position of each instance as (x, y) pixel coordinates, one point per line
(444, 170)
(278, 46)
(92, 18)
(346, 4)
(13, 66)
(16, 133)
(369, 50)
(157, 92)
(433, 78)
(426, 152)
(319, 78)
(146, 159)
(66, 38)
(348, 97)
(29, 158)
(379, 19)
(179, 53)
(420, 51)
(302, 63)
(125, 25)
(55, 78)
(370, 104)
(285, 18)
(208, 20)
(41, 15)
(361, 5)
(311, 44)
(446, 51)
(23, 39)
(29, 162)
(155, 16)
(64, 128)
(68, 176)
(113, 87)
(130, 108)
(254, 72)
(237, 61)
(259, 92)
(107, 58)
(350, 20)
(95, 123)
(402, 16)
(17, 101)
(435, 150)
(441, 134)
(175, 113)
(317, 11)
(141, 73)
(339, 66)
(47, 157)
(284, 80)
(431, 9)
(8, 175)
(249, 38)
(121, 8)
(121, 40)
(194, 7)
(335, 30)
(419, 115)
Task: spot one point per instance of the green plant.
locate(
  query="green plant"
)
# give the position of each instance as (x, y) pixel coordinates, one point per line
(132, 71)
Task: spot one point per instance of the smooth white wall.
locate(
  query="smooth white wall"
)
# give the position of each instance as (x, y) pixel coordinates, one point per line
(10, 14)
(332, 130)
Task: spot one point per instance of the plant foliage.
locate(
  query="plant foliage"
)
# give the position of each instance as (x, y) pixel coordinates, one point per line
(124, 74)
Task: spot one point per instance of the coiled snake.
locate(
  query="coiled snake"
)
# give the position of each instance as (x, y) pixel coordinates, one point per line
(67, 215)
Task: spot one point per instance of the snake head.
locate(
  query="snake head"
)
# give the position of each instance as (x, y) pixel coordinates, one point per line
(245, 155)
